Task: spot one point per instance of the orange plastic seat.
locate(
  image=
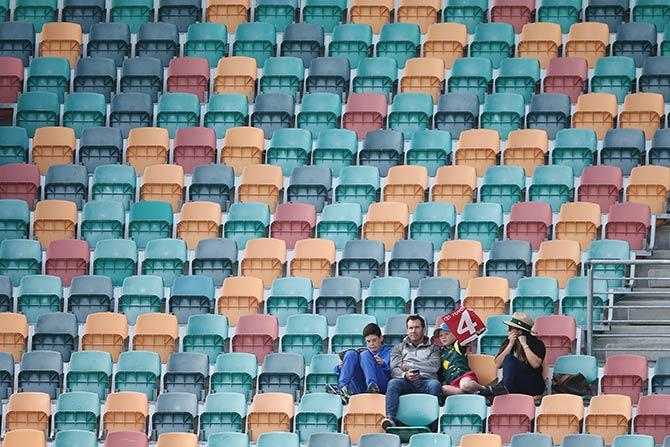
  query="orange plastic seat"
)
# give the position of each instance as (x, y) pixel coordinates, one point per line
(198, 221)
(406, 184)
(163, 183)
(558, 259)
(242, 147)
(375, 13)
(446, 41)
(177, 440)
(269, 412)
(579, 221)
(126, 411)
(106, 331)
(423, 13)
(649, 185)
(157, 332)
(236, 74)
(53, 146)
(364, 415)
(423, 75)
(588, 40)
(25, 438)
(560, 415)
(55, 220)
(644, 111)
(461, 259)
(609, 416)
(456, 185)
(313, 259)
(478, 148)
(240, 295)
(61, 39)
(481, 440)
(13, 334)
(541, 40)
(265, 258)
(484, 367)
(596, 111)
(229, 12)
(527, 148)
(28, 411)
(487, 296)
(147, 146)
(386, 222)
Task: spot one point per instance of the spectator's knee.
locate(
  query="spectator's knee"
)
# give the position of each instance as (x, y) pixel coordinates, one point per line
(434, 388)
(394, 385)
(366, 356)
(351, 356)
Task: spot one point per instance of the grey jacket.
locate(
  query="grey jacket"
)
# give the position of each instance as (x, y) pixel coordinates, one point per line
(424, 357)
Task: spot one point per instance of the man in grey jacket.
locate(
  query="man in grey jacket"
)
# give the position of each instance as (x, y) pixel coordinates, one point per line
(414, 365)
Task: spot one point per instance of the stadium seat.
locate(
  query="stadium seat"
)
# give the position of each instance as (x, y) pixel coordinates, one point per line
(536, 296)
(90, 371)
(434, 222)
(14, 219)
(435, 296)
(141, 294)
(350, 41)
(90, 294)
(256, 334)
(342, 295)
(493, 41)
(191, 295)
(568, 76)
(158, 40)
(365, 112)
(519, 75)
(273, 111)
(35, 110)
(14, 147)
(659, 380)
(282, 373)
(633, 440)
(326, 14)
(503, 185)
(625, 375)
(479, 148)
(108, 40)
(469, 12)
(39, 294)
(340, 222)
(187, 372)
(462, 415)
(17, 39)
(149, 220)
(410, 112)
(56, 331)
(583, 364)
(652, 416)
(163, 183)
(177, 440)
(635, 40)
(596, 111)
(363, 416)
(265, 258)
(510, 260)
(52, 146)
(106, 331)
(289, 296)
(208, 41)
(386, 222)
(174, 413)
(138, 371)
(321, 373)
(601, 185)
(460, 259)
(21, 437)
(15, 335)
(310, 185)
(643, 111)
(95, 75)
(429, 148)
(79, 410)
(114, 183)
(19, 258)
(358, 184)
(270, 412)
(207, 334)
(235, 373)
(247, 221)
(494, 336)
(156, 332)
(649, 185)
(575, 148)
(226, 110)
(614, 274)
(527, 148)
(59, 39)
(472, 75)
(423, 75)
(629, 222)
(243, 147)
(382, 149)
(305, 335)
(574, 301)
(255, 40)
(406, 184)
(558, 333)
(283, 75)
(182, 13)
(49, 74)
(84, 110)
(66, 182)
(288, 148)
(456, 112)
(376, 75)
(224, 439)
(41, 372)
(303, 40)
(199, 221)
(658, 153)
(614, 75)
(481, 440)
(6, 297)
(579, 222)
(167, 258)
(456, 185)
(515, 12)
(558, 259)
(328, 75)
(559, 415)
(588, 40)
(481, 222)
(552, 184)
(227, 12)
(387, 296)
(487, 296)
(541, 41)
(223, 412)
(130, 111)
(235, 75)
(122, 438)
(313, 259)
(565, 14)
(27, 410)
(317, 413)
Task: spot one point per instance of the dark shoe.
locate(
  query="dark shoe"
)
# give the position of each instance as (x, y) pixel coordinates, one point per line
(333, 389)
(499, 389)
(373, 389)
(486, 391)
(345, 395)
(387, 423)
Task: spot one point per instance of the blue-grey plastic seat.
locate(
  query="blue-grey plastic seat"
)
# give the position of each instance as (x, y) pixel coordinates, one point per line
(191, 295)
(311, 185)
(303, 40)
(6, 295)
(213, 183)
(138, 371)
(612, 12)
(96, 75)
(90, 294)
(549, 112)
(159, 40)
(659, 153)
(90, 371)
(131, 110)
(511, 260)
(110, 40)
(329, 440)
(660, 381)
(633, 441)
(436, 297)
(224, 413)
(41, 372)
(216, 258)
(624, 148)
(395, 329)
(282, 373)
(456, 112)
(338, 296)
(656, 76)
(142, 75)
(56, 331)
(100, 146)
(531, 440)
(636, 40)
(383, 149)
(181, 13)
(187, 372)
(79, 410)
(6, 375)
(17, 39)
(362, 259)
(273, 111)
(583, 440)
(175, 412)
(379, 440)
(330, 75)
(84, 12)
(412, 260)
(67, 182)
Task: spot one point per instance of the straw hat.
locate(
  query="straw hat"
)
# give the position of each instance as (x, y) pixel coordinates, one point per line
(521, 321)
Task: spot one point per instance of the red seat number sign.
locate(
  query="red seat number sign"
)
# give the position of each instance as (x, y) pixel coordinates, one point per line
(464, 324)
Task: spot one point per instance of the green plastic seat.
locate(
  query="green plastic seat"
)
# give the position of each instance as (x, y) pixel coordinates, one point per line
(519, 75)
(340, 222)
(226, 110)
(228, 439)
(503, 112)
(358, 184)
(247, 221)
(83, 110)
(208, 41)
(317, 413)
(141, 294)
(348, 331)
(235, 372)
(387, 296)
(656, 12)
(552, 184)
(177, 110)
(665, 44)
(257, 40)
(576, 148)
(49, 74)
(138, 371)
(335, 148)
(614, 74)
(14, 219)
(223, 413)
(305, 334)
(37, 109)
(411, 112)
(289, 148)
(320, 111)
(326, 13)
(430, 440)
(504, 185)
(399, 41)
(321, 373)
(610, 250)
(13, 145)
(19, 258)
(573, 303)
(416, 413)
(494, 41)
(78, 410)
(38, 295)
(429, 148)
(90, 371)
(283, 75)
(536, 296)
(434, 222)
(277, 12)
(207, 334)
(461, 415)
(587, 365)
(38, 12)
(102, 219)
(376, 75)
(167, 258)
(289, 296)
(481, 222)
(114, 183)
(75, 438)
(132, 12)
(471, 75)
(563, 12)
(495, 334)
(115, 258)
(352, 41)
(150, 220)
(469, 12)
(633, 441)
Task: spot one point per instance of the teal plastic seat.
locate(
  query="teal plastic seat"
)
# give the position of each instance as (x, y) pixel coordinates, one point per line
(503, 112)
(38, 295)
(75, 438)
(430, 440)
(652, 11)
(228, 439)
(317, 413)
(102, 219)
(235, 372)
(495, 334)
(115, 258)
(399, 41)
(417, 413)
(320, 111)
(576, 148)
(471, 75)
(271, 439)
(494, 41)
(376, 75)
(429, 148)
(90, 371)
(358, 184)
(37, 109)
(247, 221)
(349, 330)
(519, 75)
(283, 75)
(191, 295)
(150, 220)
(14, 219)
(469, 12)
(141, 294)
(49, 74)
(306, 335)
(633, 441)
(226, 110)
(336, 149)
(206, 333)
(257, 40)
(116, 183)
(504, 185)
(614, 74)
(13, 145)
(177, 110)
(481, 222)
(223, 413)
(552, 184)
(563, 12)
(587, 365)
(321, 373)
(289, 296)
(326, 13)
(463, 414)
(289, 148)
(4, 11)
(167, 258)
(573, 303)
(132, 12)
(78, 410)
(340, 222)
(277, 12)
(411, 112)
(665, 44)
(208, 41)
(434, 222)
(83, 110)
(387, 296)
(19, 258)
(138, 371)
(536, 296)
(610, 250)
(37, 12)
(352, 41)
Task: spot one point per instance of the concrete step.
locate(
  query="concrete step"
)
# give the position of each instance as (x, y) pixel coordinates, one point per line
(650, 347)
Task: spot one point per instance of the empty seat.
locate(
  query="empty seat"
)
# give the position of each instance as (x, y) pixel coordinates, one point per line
(365, 112)
(552, 184)
(236, 75)
(625, 375)
(303, 40)
(423, 75)
(386, 297)
(472, 75)
(340, 223)
(272, 112)
(503, 112)
(163, 183)
(487, 296)
(412, 260)
(348, 330)
(270, 412)
(527, 148)
(131, 110)
(574, 301)
(172, 439)
(351, 41)
(95, 75)
(247, 221)
(27, 410)
(132, 12)
(456, 185)
(460, 259)
(90, 371)
(142, 75)
(282, 373)
(376, 75)
(559, 415)
(255, 40)
(289, 148)
(293, 222)
(504, 185)
(122, 437)
(61, 40)
(635, 40)
(265, 258)
(256, 334)
(478, 148)
(187, 372)
(494, 41)
(541, 41)
(596, 111)
(318, 413)
(341, 295)
(510, 260)
(54, 220)
(615, 274)
(567, 75)
(14, 219)
(462, 415)
(536, 296)
(39, 294)
(56, 331)
(41, 372)
(228, 12)
(84, 110)
(652, 416)
(39, 109)
(53, 146)
(289, 296)
(649, 185)
(579, 222)
(141, 294)
(156, 332)
(629, 222)
(446, 42)
(100, 146)
(67, 182)
(283, 75)
(363, 415)
(167, 258)
(558, 333)
(14, 335)
(410, 112)
(434, 222)
(386, 222)
(208, 41)
(313, 259)
(575, 148)
(614, 75)
(382, 149)
(407, 185)
(481, 222)
(90, 294)
(642, 111)
(211, 183)
(138, 371)
(149, 220)
(358, 184)
(363, 260)
(198, 221)
(106, 331)
(609, 416)
(19, 258)
(6, 296)
(558, 259)
(159, 40)
(328, 74)
(109, 40)
(321, 372)
(320, 111)
(601, 185)
(658, 154)
(655, 76)
(77, 411)
(49, 74)
(305, 335)
(235, 372)
(588, 40)
(17, 39)
(14, 147)
(243, 147)
(223, 412)
(371, 12)
(126, 411)
(435, 296)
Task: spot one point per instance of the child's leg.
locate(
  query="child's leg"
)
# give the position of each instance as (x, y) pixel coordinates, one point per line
(351, 375)
(469, 386)
(372, 371)
(450, 390)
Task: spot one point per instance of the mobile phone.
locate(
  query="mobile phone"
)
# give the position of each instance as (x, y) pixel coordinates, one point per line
(414, 371)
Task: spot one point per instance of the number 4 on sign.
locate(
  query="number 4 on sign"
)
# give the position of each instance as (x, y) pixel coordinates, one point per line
(465, 325)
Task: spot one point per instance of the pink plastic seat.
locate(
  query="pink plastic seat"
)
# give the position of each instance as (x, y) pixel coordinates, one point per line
(256, 334)
(653, 416)
(629, 222)
(67, 259)
(365, 112)
(567, 75)
(558, 333)
(20, 181)
(293, 222)
(530, 221)
(189, 75)
(194, 146)
(601, 185)
(515, 12)
(511, 414)
(625, 374)
(11, 79)
(126, 439)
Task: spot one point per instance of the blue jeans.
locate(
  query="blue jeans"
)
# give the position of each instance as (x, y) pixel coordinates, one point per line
(360, 371)
(400, 387)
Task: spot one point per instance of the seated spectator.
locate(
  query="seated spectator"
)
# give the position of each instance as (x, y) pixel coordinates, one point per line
(364, 370)
(414, 365)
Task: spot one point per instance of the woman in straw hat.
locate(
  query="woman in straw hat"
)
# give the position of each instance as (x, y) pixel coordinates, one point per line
(521, 357)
